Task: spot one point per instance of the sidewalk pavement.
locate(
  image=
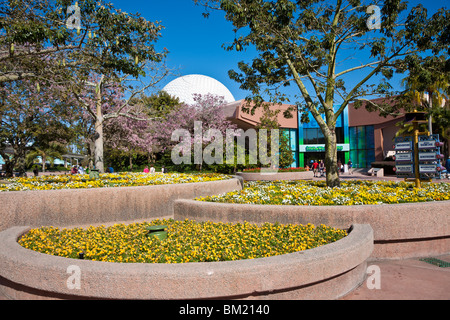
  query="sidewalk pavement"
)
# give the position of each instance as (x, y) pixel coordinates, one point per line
(409, 279)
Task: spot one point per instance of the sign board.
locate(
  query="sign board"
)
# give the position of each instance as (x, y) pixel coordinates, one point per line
(427, 144)
(427, 168)
(403, 146)
(404, 168)
(404, 157)
(427, 156)
(321, 147)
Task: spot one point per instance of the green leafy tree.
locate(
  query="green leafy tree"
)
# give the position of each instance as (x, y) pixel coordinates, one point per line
(71, 44)
(50, 140)
(310, 43)
(269, 121)
(159, 104)
(39, 39)
(30, 117)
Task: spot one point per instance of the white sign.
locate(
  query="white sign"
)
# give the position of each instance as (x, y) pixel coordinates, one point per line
(427, 168)
(427, 156)
(321, 147)
(427, 144)
(404, 168)
(404, 157)
(407, 145)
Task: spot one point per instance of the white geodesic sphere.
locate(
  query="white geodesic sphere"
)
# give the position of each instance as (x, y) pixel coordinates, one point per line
(184, 87)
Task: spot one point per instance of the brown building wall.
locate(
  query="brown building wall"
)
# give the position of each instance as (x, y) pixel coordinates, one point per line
(246, 120)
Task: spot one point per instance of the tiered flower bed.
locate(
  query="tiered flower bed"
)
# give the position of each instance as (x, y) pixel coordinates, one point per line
(187, 241)
(298, 169)
(407, 221)
(317, 194)
(82, 181)
(76, 200)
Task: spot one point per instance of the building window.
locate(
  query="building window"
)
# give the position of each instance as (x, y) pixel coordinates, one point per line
(362, 146)
(291, 134)
(315, 136)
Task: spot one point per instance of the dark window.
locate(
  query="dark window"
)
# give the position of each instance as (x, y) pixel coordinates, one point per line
(340, 138)
(362, 152)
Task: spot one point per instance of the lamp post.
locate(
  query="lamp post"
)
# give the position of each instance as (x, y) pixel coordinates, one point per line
(417, 118)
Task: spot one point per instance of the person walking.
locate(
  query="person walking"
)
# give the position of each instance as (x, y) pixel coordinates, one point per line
(339, 165)
(322, 168)
(315, 166)
(350, 165)
(447, 166)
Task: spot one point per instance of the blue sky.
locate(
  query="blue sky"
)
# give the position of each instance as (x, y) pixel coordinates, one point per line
(195, 43)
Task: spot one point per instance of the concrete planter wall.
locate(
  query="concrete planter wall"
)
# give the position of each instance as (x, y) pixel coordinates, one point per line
(326, 272)
(99, 205)
(257, 176)
(400, 230)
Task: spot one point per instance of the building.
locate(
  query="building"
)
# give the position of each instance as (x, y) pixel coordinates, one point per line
(186, 86)
(362, 137)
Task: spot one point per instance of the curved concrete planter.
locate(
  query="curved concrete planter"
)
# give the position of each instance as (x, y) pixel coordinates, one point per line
(101, 205)
(400, 230)
(326, 272)
(257, 176)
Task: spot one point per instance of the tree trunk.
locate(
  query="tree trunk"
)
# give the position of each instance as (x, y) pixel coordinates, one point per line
(8, 167)
(332, 170)
(98, 145)
(44, 159)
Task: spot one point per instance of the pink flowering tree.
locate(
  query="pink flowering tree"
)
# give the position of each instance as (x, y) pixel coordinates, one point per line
(207, 113)
(108, 101)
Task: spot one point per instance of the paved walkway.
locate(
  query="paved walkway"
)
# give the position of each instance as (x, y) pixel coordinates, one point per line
(360, 174)
(409, 279)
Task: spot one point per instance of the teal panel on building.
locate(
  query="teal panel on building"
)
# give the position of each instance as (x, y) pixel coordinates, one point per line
(362, 146)
(311, 141)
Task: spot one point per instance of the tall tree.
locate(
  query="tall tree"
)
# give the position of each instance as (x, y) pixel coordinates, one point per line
(65, 43)
(427, 85)
(25, 112)
(38, 37)
(310, 43)
(104, 99)
(208, 111)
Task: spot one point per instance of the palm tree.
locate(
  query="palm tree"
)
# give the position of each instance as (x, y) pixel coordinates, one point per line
(427, 94)
(49, 152)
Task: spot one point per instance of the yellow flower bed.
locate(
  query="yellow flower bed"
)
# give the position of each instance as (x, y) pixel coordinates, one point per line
(187, 241)
(105, 180)
(318, 194)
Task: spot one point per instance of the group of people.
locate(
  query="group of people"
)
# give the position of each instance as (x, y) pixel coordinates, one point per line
(152, 169)
(77, 170)
(319, 167)
(341, 166)
(445, 169)
(80, 170)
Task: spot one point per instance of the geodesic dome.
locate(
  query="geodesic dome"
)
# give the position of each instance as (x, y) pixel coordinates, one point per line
(184, 87)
